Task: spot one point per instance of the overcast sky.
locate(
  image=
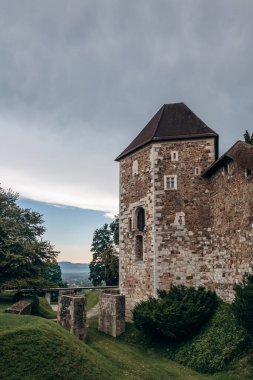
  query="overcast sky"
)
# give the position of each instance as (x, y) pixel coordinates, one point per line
(80, 79)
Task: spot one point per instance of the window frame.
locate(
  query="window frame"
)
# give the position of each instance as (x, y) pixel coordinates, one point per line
(174, 152)
(166, 177)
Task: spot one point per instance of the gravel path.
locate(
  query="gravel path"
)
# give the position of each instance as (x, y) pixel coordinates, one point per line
(91, 313)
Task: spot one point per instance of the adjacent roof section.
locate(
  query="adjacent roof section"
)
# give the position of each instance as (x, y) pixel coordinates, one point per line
(172, 122)
(240, 152)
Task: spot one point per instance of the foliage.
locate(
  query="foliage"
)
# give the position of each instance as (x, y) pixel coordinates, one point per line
(54, 275)
(104, 266)
(219, 342)
(29, 347)
(175, 314)
(24, 256)
(243, 303)
(248, 138)
(114, 227)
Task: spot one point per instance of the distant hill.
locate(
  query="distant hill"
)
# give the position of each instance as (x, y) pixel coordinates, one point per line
(68, 267)
(75, 273)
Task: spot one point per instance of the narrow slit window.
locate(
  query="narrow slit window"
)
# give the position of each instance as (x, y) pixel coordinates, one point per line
(226, 169)
(140, 218)
(139, 247)
(130, 224)
(248, 172)
(197, 171)
(174, 156)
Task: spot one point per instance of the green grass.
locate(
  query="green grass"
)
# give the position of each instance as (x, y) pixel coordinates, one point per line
(35, 348)
(44, 310)
(6, 300)
(92, 298)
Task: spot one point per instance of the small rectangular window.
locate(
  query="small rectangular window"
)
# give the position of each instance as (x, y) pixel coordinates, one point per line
(135, 168)
(248, 172)
(174, 155)
(226, 169)
(197, 171)
(170, 182)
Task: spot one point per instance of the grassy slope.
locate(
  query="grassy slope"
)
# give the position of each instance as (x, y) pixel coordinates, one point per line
(45, 310)
(92, 299)
(5, 300)
(35, 348)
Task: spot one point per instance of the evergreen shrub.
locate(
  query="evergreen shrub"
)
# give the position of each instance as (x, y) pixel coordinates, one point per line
(243, 303)
(175, 314)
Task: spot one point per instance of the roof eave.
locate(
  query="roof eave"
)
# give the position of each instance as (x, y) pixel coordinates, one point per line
(168, 138)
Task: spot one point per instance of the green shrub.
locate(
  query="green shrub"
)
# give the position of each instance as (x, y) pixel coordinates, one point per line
(243, 303)
(175, 314)
(220, 341)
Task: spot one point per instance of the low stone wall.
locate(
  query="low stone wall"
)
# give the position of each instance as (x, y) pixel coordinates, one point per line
(72, 314)
(111, 313)
(20, 307)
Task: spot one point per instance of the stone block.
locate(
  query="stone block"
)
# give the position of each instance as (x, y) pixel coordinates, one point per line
(111, 313)
(72, 314)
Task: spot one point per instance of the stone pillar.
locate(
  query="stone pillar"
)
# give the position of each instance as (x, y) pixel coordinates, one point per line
(111, 313)
(72, 314)
(48, 297)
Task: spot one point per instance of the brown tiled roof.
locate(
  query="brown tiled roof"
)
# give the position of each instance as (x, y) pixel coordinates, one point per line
(172, 122)
(240, 152)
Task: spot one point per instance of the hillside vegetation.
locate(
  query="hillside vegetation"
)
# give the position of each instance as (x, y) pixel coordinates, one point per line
(35, 348)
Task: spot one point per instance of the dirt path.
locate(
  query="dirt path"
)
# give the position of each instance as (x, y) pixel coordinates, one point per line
(91, 313)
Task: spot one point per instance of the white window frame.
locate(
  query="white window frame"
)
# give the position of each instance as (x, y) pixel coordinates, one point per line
(174, 153)
(135, 168)
(197, 170)
(166, 177)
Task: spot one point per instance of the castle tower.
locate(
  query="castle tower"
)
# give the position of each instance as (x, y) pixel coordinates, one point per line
(164, 204)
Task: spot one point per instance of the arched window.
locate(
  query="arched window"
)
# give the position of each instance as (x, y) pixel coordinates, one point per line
(140, 218)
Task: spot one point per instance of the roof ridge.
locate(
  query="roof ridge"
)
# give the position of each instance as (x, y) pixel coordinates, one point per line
(163, 107)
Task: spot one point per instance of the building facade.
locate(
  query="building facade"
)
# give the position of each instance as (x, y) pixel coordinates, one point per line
(186, 217)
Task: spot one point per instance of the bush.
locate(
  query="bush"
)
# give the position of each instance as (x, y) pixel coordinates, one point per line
(175, 314)
(220, 341)
(243, 303)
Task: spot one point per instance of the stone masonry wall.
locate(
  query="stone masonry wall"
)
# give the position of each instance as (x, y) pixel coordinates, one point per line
(199, 234)
(111, 313)
(180, 250)
(136, 276)
(231, 235)
(72, 315)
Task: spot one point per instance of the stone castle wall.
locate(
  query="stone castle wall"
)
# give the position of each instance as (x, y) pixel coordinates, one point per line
(136, 276)
(199, 234)
(179, 250)
(231, 235)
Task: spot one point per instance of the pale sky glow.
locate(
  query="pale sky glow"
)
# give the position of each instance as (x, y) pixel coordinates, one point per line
(79, 79)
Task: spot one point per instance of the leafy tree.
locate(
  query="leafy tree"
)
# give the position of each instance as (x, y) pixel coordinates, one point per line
(25, 257)
(54, 275)
(248, 138)
(243, 303)
(175, 314)
(104, 266)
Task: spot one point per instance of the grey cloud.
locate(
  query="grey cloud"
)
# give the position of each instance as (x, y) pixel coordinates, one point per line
(86, 76)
